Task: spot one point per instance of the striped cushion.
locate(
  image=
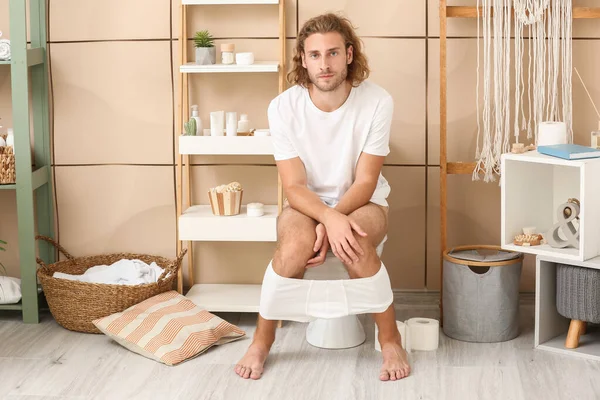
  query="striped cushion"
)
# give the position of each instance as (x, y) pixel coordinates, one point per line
(168, 328)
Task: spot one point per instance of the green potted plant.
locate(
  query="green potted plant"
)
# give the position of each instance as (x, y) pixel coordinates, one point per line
(206, 52)
(2, 269)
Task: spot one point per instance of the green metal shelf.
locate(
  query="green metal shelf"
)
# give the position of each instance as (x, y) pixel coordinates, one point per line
(29, 73)
(11, 307)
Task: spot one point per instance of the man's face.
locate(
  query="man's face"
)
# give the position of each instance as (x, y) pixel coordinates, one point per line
(326, 60)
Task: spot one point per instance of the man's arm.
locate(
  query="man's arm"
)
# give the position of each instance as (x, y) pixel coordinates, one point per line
(300, 197)
(360, 192)
(371, 159)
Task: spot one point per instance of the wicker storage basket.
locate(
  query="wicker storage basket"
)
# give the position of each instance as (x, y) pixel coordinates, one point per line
(7, 165)
(228, 203)
(74, 305)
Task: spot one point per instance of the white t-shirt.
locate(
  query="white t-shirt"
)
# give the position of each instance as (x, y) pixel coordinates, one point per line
(330, 143)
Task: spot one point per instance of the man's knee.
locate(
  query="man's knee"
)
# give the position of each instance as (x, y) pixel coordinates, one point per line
(296, 238)
(367, 262)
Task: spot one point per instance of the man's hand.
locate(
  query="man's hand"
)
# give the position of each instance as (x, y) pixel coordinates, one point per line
(339, 228)
(321, 245)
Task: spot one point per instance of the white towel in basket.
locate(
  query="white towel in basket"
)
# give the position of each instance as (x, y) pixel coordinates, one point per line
(122, 272)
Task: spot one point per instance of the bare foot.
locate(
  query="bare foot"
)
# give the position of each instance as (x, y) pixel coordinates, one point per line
(251, 365)
(395, 362)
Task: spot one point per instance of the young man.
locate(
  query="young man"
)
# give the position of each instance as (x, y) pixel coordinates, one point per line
(331, 134)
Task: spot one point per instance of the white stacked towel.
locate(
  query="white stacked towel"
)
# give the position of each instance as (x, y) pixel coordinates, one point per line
(10, 290)
(122, 272)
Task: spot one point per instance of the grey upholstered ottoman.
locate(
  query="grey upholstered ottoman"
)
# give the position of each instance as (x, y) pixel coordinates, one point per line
(480, 301)
(577, 298)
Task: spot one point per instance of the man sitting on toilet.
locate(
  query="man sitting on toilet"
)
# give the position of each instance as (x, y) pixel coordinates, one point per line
(330, 133)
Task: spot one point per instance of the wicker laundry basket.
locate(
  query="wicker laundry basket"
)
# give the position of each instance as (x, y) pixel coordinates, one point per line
(74, 304)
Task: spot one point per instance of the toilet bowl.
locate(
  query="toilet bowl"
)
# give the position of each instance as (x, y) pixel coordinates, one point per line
(335, 333)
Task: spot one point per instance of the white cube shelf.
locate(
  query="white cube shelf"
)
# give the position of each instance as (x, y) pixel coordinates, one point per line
(550, 327)
(226, 145)
(198, 223)
(221, 297)
(533, 186)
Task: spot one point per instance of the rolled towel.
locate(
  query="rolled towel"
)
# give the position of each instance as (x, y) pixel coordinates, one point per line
(4, 48)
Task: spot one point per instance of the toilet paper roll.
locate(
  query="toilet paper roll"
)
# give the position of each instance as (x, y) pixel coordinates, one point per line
(403, 334)
(424, 333)
(551, 132)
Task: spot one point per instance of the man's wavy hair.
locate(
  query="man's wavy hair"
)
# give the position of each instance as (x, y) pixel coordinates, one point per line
(358, 69)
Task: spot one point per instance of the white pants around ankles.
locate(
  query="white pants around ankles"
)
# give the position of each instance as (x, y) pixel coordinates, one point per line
(304, 300)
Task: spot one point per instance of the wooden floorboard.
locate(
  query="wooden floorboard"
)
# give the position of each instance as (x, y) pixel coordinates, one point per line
(45, 361)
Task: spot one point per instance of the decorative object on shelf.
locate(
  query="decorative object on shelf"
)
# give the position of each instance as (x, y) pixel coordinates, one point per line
(528, 239)
(231, 123)
(595, 138)
(244, 58)
(226, 199)
(244, 125)
(262, 132)
(217, 123)
(227, 53)
(566, 214)
(520, 148)
(255, 209)
(198, 120)
(206, 53)
(7, 164)
(190, 127)
(545, 79)
(4, 49)
(551, 132)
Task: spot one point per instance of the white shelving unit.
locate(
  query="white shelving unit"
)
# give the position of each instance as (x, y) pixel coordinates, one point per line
(258, 66)
(227, 2)
(226, 297)
(534, 185)
(225, 145)
(551, 327)
(196, 222)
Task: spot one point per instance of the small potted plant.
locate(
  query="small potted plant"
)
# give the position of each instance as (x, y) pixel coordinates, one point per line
(2, 265)
(205, 49)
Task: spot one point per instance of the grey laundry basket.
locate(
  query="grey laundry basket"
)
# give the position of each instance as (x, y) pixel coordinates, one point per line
(480, 299)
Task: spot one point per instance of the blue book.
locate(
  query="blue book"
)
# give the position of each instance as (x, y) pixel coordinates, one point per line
(569, 151)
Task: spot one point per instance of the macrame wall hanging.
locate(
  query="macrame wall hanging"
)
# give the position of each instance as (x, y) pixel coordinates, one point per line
(542, 81)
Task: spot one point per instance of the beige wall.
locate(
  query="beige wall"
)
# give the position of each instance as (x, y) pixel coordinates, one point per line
(114, 75)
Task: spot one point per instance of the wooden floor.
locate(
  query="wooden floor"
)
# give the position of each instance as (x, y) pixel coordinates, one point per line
(46, 361)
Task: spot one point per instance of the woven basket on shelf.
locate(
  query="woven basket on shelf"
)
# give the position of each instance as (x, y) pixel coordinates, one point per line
(74, 304)
(7, 165)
